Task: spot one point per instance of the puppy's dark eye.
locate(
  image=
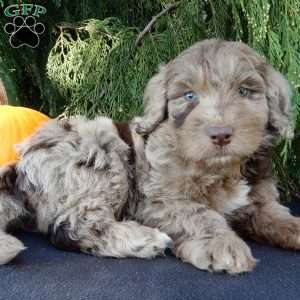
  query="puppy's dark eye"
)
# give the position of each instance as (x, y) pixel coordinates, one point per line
(190, 96)
(243, 92)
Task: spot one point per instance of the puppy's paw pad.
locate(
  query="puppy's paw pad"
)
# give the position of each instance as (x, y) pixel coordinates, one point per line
(10, 247)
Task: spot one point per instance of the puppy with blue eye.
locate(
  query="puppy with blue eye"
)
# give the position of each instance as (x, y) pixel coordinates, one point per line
(212, 116)
(195, 168)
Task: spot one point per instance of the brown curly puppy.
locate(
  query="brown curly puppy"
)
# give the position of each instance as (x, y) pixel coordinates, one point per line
(198, 170)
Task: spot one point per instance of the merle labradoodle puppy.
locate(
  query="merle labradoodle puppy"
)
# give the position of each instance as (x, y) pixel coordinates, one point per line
(195, 168)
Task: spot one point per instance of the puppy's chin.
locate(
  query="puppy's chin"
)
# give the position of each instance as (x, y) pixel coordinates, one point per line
(213, 155)
(221, 160)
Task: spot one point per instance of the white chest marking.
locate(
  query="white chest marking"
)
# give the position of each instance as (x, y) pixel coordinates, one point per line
(238, 198)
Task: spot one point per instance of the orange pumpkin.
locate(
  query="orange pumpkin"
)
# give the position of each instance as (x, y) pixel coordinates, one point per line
(16, 124)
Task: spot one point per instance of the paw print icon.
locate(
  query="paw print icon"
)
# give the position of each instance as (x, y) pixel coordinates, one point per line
(24, 32)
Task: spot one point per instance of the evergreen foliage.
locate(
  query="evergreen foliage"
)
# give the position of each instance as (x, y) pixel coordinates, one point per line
(88, 61)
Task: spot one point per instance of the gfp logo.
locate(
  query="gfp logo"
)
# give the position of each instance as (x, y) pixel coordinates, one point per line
(24, 30)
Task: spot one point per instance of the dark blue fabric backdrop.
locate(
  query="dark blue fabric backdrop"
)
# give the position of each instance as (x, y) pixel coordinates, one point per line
(42, 272)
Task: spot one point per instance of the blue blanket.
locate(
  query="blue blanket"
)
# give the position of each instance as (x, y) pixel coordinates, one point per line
(42, 272)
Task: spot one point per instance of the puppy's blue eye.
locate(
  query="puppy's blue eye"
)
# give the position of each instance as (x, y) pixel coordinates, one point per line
(190, 96)
(243, 92)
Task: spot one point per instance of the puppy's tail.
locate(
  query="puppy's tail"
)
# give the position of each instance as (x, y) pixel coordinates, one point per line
(10, 211)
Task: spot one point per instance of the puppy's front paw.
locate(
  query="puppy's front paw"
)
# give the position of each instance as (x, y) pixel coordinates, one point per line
(154, 243)
(221, 253)
(231, 254)
(10, 247)
(285, 232)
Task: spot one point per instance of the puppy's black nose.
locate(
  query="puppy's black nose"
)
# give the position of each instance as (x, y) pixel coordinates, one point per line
(220, 136)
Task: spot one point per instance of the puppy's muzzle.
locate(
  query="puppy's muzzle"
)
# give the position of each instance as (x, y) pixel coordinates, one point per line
(220, 136)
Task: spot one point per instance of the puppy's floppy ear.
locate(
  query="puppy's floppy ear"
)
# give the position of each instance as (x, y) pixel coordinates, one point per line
(279, 102)
(155, 103)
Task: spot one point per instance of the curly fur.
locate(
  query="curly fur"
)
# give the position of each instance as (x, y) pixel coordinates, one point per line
(109, 189)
